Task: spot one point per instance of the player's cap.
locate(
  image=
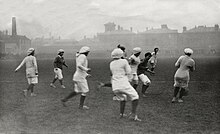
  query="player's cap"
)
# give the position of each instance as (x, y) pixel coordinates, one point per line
(30, 50)
(84, 49)
(137, 50)
(60, 51)
(117, 53)
(121, 47)
(188, 51)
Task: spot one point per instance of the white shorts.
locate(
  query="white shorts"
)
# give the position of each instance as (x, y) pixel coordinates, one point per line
(126, 94)
(33, 80)
(81, 87)
(144, 79)
(58, 73)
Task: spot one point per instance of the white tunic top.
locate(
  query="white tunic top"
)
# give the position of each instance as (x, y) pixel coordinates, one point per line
(120, 70)
(81, 68)
(184, 63)
(134, 62)
(31, 66)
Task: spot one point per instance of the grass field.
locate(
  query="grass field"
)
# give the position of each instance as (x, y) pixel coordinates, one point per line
(200, 112)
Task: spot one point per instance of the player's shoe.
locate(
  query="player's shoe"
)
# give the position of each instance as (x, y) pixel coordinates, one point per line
(52, 85)
(84, 107)
(33, 94)
(134, 117)
(25, 92)
(62, 86)
(123, 115)
(180, 100)
(174, 100)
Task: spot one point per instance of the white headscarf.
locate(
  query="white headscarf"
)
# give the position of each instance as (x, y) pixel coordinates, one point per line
(137, 50)
(117, 53)
(84, 49)
(188, 51)
(30, 50)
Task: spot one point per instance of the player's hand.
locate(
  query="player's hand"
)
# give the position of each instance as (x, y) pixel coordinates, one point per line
(16, 71)
(36, 73)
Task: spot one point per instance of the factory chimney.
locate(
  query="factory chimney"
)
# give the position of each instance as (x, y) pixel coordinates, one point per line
(14, 31)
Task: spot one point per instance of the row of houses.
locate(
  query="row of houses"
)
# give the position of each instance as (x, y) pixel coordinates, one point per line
(202, 39)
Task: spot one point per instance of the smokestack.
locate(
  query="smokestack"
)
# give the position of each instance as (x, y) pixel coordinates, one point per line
(131, 29)
(184, 29)
(14, 31)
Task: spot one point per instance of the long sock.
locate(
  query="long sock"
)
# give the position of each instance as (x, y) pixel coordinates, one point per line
(176, 90)
(122, 107)
(82, 100)
(61, 82)
(182, 91)
(134, 105)
(54, 80)
(30, 87)
(108, 84)
(72, 94)
(144, 88)
(135, 86)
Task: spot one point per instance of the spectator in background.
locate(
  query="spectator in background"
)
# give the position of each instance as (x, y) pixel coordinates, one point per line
(31, 71)
(181, 78)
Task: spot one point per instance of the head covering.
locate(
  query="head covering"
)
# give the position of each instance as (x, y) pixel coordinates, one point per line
(117, 53)
(137, 50)
(84, 49)
(188, 51)
(121, 47)
(30, 50)
(60, 51)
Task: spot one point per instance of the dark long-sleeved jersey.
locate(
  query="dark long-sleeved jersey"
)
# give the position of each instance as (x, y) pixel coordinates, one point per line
(59, 62)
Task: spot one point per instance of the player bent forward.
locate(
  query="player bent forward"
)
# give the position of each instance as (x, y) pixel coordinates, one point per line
(181, 77)
(121, 87)
(79, 78)
(31, 71)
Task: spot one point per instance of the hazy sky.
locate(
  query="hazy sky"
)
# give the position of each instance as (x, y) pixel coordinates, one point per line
(76, 18)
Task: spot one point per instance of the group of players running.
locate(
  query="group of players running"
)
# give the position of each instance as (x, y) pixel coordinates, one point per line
(124, 80)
